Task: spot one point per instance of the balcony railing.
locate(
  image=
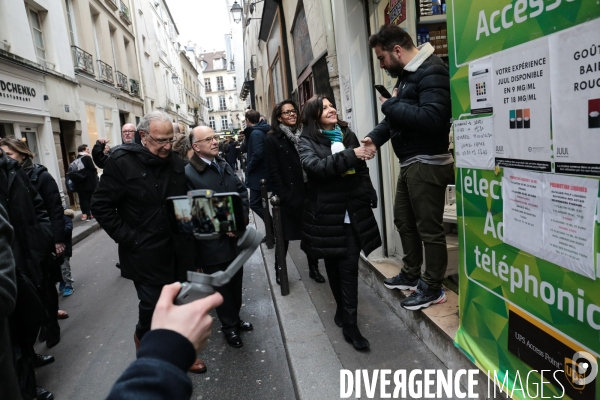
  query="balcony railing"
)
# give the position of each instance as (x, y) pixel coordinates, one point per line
(122, 81)
(105, 72)
(83, 60)
(134, 87)
(124, 13)
(113, 3)
(223, 108)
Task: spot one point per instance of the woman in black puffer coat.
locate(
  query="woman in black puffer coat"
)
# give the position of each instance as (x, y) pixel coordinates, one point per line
(338, 217)
(287, 178)
(47, 188)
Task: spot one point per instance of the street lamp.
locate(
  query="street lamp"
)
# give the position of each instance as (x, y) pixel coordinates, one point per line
(175, 78)
(230, 99)
(236, 12)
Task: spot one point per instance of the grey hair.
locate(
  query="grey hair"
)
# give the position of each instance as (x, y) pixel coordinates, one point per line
(147, 119)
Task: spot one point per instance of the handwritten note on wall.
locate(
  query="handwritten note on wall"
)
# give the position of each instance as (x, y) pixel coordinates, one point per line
(474, 143)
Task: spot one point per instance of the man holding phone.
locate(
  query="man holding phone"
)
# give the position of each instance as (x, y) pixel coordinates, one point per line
(417, 120)
(99, 153)
(207, 170)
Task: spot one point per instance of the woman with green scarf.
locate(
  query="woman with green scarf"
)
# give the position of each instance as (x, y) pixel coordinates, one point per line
(338, 220)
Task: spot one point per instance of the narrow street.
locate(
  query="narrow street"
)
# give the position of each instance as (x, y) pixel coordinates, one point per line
(97, 339)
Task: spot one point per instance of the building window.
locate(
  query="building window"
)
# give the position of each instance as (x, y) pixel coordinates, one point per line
(209, 102)
(220, 85)
(234, 83)
(211, 122)
(36, 31)
(224, 122)
(222, 104)
(207, 84)
(71, 22)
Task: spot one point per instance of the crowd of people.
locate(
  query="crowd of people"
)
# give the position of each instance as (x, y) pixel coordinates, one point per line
(309, 158)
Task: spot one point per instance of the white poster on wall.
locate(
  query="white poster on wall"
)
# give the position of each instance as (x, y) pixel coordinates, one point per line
(522, 193)
(575, 73)
(569, 208)
(521, 90)
(474, 143)
(480, 86)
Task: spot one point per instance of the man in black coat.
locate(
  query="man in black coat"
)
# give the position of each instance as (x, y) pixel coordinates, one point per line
(99, 153)
(130, 206)
(257, 168)
(417, 120)
(86, 186)
(207, 170)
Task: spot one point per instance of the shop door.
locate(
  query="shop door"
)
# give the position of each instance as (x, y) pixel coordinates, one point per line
(29, 135)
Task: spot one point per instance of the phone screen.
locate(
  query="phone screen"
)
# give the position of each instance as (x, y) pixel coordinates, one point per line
(221, 213)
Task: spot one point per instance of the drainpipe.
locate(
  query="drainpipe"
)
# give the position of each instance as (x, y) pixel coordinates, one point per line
(139, 63)
(332, 65)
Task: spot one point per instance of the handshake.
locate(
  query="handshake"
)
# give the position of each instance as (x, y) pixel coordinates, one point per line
(367, 151)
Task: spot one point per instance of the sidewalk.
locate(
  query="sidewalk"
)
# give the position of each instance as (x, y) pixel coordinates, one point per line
(83, 229)
(315, 346)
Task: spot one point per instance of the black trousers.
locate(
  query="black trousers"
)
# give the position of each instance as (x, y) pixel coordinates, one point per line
(50, 299)
(148, 296)
(256, 202)
(85, 201)
(286, 245)
(229, 311)
(343, 277)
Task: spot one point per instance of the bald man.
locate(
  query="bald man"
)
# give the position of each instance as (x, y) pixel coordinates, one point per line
(99, 155)
(207, 170)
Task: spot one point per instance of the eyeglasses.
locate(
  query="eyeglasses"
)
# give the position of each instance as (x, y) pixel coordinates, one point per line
(162, 142)
(128, 132)
(289, 112)
(208, 139)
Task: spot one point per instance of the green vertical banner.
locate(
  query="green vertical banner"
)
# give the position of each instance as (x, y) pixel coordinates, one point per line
(529, 229)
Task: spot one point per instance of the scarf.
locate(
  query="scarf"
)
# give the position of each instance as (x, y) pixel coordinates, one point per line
(334, 136)
(27, 164)
(293, 134)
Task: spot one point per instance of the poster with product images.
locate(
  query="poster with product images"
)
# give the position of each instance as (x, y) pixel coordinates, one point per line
(474, 143)
(480, 86)
(575, 76)
(569, 208)
(523, 209)
(521, 90)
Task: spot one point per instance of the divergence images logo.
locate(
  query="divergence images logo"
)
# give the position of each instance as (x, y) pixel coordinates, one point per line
(519, 119)
(594, 113)
(581, 370)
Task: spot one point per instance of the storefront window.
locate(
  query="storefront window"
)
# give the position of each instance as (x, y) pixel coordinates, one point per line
(90, 111)
(30, 137)
(6, 130)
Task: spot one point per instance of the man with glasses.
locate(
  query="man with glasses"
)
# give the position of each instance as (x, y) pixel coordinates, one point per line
(129, 204)
(99, 153)
(207, 170)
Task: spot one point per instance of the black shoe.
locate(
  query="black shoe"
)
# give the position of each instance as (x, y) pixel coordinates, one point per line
(43, 334)
(352, 335)
(423, 297)
(43, 394)
(245, 326)
(338, 319)
(313, 273)
(400, 282)
(278, 274)
(233, 339)
(41, 360)
(53, 336)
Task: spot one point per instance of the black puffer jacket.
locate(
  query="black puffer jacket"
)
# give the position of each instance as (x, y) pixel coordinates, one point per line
(91, 181)
(418, 118)
(285, 175)
(129, 204)
(199, 175)
(330, 195)
(46, 186)
(33, 243)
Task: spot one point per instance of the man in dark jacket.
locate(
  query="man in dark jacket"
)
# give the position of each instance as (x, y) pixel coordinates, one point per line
(86, 186)
(257, 168)
(417, 120)
(129, 205)
(208, 171)
(232, 153)
(99, 153)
